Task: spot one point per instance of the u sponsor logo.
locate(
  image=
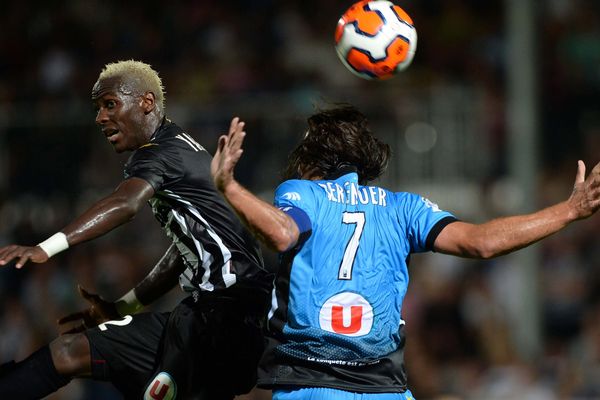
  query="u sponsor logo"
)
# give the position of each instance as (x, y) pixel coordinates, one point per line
(348, 314)
(162, 387)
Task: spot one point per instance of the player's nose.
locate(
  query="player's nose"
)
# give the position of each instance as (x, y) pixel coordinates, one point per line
(101, 117)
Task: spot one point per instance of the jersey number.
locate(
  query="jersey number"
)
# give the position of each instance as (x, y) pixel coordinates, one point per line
(358, 219)
(120, 322)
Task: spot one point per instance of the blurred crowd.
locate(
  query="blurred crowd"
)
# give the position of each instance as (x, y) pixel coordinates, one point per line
(270, 62)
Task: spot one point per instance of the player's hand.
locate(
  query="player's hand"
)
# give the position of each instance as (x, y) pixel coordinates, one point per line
(100, 311)
(22, 254)
(585, 198)
(229, 151)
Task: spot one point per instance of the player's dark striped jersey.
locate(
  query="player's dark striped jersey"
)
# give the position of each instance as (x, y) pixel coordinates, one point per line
(217, 250)
(336, 317)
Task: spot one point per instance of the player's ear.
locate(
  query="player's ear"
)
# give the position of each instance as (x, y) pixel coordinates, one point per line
(148, 102)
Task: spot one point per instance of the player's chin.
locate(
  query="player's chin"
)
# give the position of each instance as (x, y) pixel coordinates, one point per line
(119, 148)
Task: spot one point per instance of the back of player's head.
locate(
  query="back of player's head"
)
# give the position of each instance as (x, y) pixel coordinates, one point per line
(336, 138)
(137, 77)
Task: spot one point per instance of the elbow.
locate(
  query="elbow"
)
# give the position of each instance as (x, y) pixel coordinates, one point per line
(486, 254)
(278, 234)
(283, 239)
(130, 215)
(286, 236)
(284, 242)
(130, 211)
(470, 241)
(279, 247)
(472, 246)
(127, 209)
(483, 250)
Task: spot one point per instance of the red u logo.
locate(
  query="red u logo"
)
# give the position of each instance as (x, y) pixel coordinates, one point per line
(158, 390)
(163, 387)
(337, 319)
(346, 313)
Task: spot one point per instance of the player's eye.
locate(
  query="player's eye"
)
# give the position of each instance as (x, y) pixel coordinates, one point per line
(110, 104)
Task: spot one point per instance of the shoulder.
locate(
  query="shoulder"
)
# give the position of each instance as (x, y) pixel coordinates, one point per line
(160, 152)
(293, 184)
(294, 187)
(170, 141)
(155, 150)
(409, 199)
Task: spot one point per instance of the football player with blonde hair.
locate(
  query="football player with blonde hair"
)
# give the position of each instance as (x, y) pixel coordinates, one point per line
(209, 345)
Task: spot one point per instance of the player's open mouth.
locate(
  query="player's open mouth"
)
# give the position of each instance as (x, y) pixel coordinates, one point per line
(111, 134)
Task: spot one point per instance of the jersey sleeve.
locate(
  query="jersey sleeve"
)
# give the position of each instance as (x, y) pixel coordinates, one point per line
(295, 198)
(424, 221)
(295, 193)
(154, 164)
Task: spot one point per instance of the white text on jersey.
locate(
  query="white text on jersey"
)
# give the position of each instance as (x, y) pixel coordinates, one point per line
(353, 194)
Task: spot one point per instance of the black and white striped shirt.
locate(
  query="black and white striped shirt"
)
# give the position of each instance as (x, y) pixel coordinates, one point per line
(217, 250)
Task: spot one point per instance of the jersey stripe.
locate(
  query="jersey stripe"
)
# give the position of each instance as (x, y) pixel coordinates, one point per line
(206, 257)
(218, 252)
(188, 141)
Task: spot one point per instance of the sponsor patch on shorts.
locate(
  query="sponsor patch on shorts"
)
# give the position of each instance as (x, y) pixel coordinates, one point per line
(162, 387)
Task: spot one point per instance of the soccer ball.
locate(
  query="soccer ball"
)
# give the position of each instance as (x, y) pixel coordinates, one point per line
(375, 39)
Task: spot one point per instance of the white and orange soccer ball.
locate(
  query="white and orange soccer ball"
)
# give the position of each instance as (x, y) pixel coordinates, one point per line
(375, 39)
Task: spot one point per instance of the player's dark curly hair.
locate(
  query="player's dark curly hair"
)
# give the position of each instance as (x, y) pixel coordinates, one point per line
(338, 138)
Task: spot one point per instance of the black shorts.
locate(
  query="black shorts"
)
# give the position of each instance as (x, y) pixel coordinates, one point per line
(210, 348)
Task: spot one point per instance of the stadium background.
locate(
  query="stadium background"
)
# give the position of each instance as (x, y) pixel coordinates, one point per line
(524, 326)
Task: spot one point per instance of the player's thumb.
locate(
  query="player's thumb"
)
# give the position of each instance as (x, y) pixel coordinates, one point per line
(84, 293)
(580, 177)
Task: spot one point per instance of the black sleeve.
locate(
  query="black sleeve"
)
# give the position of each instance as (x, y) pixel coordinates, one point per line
(436, 229)
(154, 164)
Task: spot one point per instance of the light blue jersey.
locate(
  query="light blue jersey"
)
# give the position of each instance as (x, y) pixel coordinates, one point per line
(335, 394)
(338, 297)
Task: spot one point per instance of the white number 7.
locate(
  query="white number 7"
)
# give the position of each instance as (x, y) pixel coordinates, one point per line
(357, 218)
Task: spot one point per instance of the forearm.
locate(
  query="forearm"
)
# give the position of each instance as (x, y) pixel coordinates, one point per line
(110, 212)
(162, 278)
(99, 219)
(270, 225)
(504, 235)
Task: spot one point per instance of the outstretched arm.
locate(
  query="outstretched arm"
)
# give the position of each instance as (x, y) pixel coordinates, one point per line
(504, 235)
(162, 278)
(110, 212)
(273, 227)
(105, 215)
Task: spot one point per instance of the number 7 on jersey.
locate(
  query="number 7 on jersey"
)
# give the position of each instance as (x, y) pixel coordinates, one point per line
(358, 219)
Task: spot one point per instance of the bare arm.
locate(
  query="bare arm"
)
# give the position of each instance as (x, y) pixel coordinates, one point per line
(162, 278)
(272, 226)
(504, 235)
(102, 217)
(110, 212)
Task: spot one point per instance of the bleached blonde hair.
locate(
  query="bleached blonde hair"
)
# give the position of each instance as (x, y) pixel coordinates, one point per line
(139, 75)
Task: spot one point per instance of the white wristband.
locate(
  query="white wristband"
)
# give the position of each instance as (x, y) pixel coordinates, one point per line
(54, 244)
(128, 304)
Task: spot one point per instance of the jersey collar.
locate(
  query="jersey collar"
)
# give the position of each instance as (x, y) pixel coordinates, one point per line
(161, 127)
(342, 170)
